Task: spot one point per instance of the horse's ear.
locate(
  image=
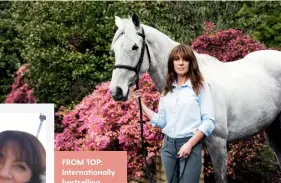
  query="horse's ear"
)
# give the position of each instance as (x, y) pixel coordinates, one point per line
(136, 20)
(118, 21)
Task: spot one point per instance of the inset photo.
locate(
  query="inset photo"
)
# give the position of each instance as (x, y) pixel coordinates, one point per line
(26, 143)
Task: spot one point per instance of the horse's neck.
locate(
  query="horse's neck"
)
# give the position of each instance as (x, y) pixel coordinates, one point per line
(160, 46)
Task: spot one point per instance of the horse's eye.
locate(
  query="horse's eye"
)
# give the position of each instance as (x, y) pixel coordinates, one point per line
(135, 47)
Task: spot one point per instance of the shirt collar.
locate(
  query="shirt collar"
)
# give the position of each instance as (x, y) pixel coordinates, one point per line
(187, 83)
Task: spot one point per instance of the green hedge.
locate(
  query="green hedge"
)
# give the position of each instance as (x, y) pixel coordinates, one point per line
(262, 20)
(10, 46)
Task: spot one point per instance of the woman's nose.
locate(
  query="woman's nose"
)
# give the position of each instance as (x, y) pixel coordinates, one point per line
(5, 172)
(181, 61)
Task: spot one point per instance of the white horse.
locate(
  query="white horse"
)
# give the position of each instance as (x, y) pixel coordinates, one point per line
(246, 93)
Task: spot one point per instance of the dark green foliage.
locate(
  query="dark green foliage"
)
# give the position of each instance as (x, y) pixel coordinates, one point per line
(262, 20)
(10, 46)
(67, 46)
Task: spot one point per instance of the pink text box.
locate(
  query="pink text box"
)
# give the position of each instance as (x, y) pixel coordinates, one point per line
(91, 166)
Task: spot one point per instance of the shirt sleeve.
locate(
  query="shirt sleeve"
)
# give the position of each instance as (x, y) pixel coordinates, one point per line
(159, 119)
(207, 110)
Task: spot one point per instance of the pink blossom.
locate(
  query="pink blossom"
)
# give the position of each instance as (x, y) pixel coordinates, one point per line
(21, 92)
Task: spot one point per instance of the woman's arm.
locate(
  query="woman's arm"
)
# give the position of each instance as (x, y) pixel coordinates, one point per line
(208, 121)
(207, 111)
(186, 149)
(157, 119)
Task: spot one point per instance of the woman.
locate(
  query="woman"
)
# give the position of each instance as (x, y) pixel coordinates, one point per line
(22, 158)
(185, 114)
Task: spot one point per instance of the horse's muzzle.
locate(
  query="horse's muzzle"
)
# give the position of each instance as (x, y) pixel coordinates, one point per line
(118, 95)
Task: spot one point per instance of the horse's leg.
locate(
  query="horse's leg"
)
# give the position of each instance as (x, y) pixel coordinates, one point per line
(218, 152)
(273, 137)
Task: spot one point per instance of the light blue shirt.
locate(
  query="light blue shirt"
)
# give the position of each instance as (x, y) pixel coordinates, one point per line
(181, 113)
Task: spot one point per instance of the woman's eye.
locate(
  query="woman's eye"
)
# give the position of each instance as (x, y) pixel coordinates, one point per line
(21, 167)
(135, 47)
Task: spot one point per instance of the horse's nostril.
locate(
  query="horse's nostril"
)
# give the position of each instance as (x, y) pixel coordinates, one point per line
(119, 92)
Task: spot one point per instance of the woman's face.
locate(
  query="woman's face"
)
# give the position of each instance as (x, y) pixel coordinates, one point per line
(181, 66)
(13, 170)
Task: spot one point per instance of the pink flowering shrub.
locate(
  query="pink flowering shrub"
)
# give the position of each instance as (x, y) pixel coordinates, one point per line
(99, 123)
(225, 45)
(230, 45)
(20, 93)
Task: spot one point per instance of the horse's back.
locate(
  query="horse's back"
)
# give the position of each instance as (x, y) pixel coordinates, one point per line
(269, 60)
(257, 97)
(264, 52)
(246, 84)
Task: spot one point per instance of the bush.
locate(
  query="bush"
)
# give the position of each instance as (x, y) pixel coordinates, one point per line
(262, 20)
(10, 46)
(66, 46)
(21, 92)
(99, 123)
(225, 45)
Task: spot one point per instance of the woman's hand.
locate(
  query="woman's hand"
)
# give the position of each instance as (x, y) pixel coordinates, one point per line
(136, 94)
(185, 150)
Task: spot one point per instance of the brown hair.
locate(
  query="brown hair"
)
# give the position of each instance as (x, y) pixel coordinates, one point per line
(194, 74)
(27, 148)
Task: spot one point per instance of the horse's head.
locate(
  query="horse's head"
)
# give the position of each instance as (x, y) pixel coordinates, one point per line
(131, 58)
